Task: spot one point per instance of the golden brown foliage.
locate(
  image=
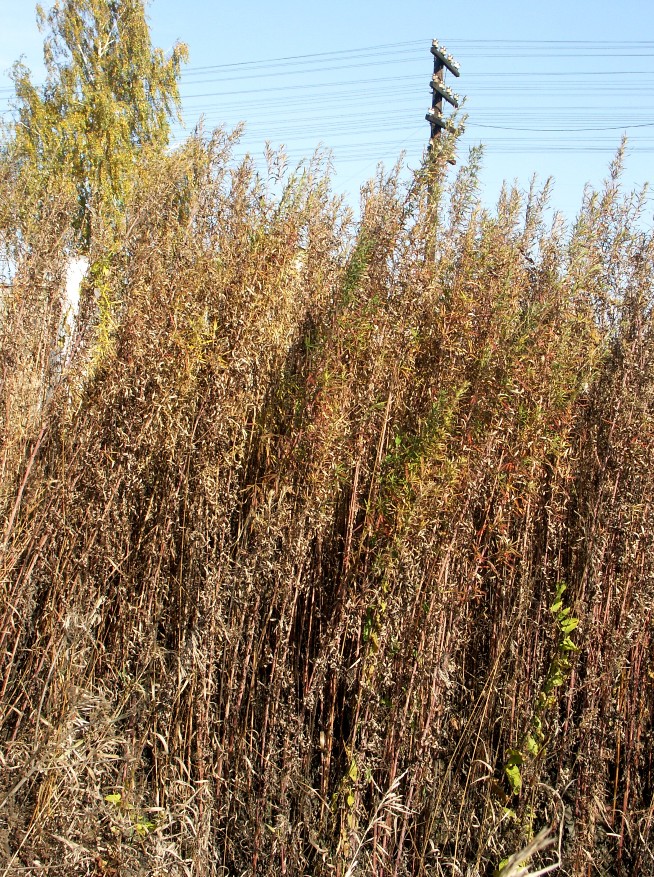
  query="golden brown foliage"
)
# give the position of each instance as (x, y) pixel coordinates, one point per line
(285, 535)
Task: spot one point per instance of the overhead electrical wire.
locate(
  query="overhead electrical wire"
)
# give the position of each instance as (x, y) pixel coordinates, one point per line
(305, 100)
(297, 103)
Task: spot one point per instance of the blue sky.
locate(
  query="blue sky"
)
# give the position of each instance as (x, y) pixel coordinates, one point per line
(545, 92)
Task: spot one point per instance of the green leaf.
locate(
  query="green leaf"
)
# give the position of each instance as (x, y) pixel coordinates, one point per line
(114, 799)
(569, 624)
(568, 646)
(143, 827)
(558, 599)
(556, 678)
(353, 772)
(514, 758)
(514, 777)
(531, 746)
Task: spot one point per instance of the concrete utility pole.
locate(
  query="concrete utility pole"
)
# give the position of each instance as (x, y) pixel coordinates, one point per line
(442, 61)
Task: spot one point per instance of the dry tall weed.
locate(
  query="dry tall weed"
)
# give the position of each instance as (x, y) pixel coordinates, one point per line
(285, 540)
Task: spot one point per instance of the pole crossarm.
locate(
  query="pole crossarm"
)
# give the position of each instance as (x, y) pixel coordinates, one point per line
(437, 119)
(445, 91)
(442, 61)
(439, 52)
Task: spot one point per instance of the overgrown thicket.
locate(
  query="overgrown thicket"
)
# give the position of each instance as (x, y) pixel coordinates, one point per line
(327, 545)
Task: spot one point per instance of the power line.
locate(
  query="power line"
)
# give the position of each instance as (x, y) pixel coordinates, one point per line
(473, 48)
(310, 98)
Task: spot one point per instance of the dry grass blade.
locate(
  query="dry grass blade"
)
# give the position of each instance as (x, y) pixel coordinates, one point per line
(517, 863)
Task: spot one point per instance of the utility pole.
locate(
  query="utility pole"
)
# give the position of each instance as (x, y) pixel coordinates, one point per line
(442, 61)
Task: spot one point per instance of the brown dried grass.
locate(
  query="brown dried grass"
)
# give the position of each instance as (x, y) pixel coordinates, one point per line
(281, 539)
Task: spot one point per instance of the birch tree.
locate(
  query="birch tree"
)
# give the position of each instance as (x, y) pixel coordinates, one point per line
(108, 99)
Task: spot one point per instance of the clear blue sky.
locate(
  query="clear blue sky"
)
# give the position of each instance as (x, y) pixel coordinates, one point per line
(545, 93)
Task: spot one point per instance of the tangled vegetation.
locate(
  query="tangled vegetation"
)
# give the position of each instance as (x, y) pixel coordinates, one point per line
(327, 544)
